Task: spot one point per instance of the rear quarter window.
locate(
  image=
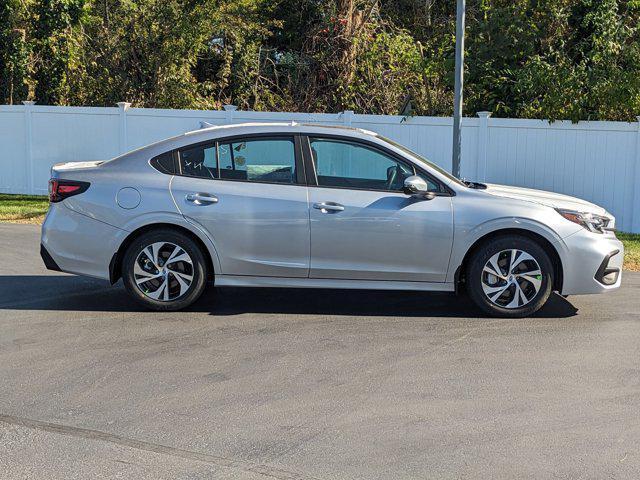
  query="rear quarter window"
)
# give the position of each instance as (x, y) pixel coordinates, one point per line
(164, 163)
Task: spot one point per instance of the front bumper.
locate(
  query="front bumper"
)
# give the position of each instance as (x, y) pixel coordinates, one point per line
(592, 263)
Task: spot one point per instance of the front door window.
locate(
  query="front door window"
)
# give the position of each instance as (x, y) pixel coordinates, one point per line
(344, 164)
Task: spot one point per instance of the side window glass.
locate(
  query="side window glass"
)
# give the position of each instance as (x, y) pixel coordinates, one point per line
(199, 161)
(433, 186)
(350, 165)
(164, 163)
(268, 160)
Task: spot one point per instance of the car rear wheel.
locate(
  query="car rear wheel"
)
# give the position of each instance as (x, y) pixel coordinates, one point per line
(510, 276)
(164, 270)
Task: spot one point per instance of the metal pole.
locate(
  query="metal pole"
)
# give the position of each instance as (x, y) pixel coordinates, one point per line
(457, 106)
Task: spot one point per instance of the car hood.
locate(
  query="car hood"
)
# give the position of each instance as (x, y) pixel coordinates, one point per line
(550, 199)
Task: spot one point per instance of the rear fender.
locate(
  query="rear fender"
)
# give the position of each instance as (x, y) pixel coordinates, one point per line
(171, 218)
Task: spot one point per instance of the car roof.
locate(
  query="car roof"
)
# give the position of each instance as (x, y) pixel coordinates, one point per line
(222, 131)
(278, 127)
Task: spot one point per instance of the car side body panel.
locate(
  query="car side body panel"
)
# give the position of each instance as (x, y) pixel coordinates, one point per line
(101, 206)
(380, 236)
(260, 229)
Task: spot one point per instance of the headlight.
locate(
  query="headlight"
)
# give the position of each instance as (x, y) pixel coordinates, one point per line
(592, 222)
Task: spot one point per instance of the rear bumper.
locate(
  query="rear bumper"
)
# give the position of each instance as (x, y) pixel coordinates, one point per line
(592, 263)
(48, 260)
(75, 243)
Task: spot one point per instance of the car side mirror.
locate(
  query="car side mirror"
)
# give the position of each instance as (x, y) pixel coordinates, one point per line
(415, 185)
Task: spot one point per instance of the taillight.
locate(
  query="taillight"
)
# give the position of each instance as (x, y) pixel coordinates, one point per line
(61, 189)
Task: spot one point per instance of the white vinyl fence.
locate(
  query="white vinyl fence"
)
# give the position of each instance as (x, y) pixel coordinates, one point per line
(597, 161)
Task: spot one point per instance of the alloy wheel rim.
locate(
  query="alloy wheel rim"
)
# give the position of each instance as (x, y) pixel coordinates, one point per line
(163, 271)
(511, 278)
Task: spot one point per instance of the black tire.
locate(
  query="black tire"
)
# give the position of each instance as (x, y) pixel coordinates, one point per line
(196, 269)
(476, 274)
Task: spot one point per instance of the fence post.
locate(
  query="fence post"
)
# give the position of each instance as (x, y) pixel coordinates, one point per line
(347, 117)
(634, 224)
(28, 140)
(123, 106)
(483, 146)
(229, 109)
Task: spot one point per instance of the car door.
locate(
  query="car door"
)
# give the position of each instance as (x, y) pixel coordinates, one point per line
(363, 227)
(249, 194)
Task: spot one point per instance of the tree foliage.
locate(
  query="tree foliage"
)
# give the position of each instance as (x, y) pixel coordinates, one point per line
(575, 59)
(14, 53)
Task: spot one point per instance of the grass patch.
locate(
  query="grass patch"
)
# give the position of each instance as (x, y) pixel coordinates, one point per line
(23, 208)
(32, 208)
(631, 243)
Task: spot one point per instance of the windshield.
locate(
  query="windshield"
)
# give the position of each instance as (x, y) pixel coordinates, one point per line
(422, 159)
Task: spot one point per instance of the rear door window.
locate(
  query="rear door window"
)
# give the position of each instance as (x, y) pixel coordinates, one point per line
(199, 161)
(251, 160)
(258, 160)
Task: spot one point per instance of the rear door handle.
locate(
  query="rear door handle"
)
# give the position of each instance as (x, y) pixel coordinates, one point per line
(328, 207)
(201, 198)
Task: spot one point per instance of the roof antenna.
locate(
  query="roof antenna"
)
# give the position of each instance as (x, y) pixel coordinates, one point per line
(204, 124)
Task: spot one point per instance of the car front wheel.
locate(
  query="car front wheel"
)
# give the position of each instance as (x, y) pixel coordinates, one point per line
(510, 276)
(164, 270)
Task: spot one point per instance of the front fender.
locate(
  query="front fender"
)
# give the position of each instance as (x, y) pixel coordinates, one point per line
(466, 238)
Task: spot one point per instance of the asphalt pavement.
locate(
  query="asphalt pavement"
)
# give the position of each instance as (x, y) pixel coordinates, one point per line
(309, 384)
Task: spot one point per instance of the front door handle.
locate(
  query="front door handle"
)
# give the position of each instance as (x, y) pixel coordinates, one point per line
(201, 198)
(328, 207)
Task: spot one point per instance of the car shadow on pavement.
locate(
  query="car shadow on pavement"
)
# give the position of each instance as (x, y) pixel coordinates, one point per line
(73, 293)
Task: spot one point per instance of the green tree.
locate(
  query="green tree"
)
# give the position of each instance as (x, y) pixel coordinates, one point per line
(139, 51)
(53, 47)
(576, 59)
(14, 52)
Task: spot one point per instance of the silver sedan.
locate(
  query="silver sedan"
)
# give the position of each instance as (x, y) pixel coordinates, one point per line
(290, 205)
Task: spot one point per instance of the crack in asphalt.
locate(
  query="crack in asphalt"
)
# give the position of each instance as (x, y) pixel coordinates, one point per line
(218, 461)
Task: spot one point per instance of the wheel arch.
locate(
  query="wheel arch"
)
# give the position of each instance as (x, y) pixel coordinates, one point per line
(115, 265)
(549, 248)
